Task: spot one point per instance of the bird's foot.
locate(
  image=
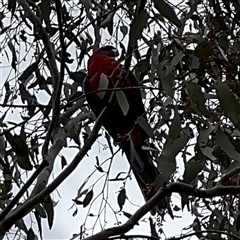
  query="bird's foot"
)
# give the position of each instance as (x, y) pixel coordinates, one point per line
(149, 189)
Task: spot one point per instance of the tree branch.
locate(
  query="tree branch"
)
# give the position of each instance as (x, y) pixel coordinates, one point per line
(176, 187)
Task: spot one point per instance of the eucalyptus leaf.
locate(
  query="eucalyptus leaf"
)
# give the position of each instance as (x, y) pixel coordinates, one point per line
(142, 121)
(28, 71)
(122, 101)
(103, 84)
(175, 128)
(192, 168)
(48, 206)
(124, 30)
(223, 141)
(167, 11)
(78, 76)
(228, 102)
(121, 198)
(197, 98)
(137, 26)
(88, 198)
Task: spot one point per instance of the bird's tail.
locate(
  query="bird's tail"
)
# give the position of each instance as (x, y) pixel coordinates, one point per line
(142, 167)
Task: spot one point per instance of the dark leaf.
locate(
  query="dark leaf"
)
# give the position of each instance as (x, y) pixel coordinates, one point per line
(12, 5)
(103, 84)
(145, 126)
(63, 161)
(175, 129)
(99, 168)
(184, 200)
(30, 234)
(203, 139)
(121, 198)
(166, 161)
(31, 99)
(73, 133)
(229, 103)
(2, 146)
(28, 71)
(137, 27)
(78, 76)
(204, 49)
(193, 168)
(88, 198)
(238, 223)
(223, 141)
(80, 192)
(46, 10)
(176, 208)
(167, 12)
(167, 80)
(87, 4)
(48, 206)
(14, 55)
(124, 30)
(97, 161)
(21, 224)
(142, 65)
(123, 102)
(20, 148)
(40, 210)
(197, 227)
(39, 223)
(75, 212)
(197, 98)
(126, 214)
(110, 25)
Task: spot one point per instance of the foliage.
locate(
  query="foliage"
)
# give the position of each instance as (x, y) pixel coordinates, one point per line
(186, 58)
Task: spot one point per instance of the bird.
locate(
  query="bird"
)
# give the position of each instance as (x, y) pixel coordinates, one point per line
(122, 127)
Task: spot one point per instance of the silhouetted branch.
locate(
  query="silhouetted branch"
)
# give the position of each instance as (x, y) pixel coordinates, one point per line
(176, 187)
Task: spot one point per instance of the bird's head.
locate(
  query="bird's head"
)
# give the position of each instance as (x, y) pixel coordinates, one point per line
(108, 50)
